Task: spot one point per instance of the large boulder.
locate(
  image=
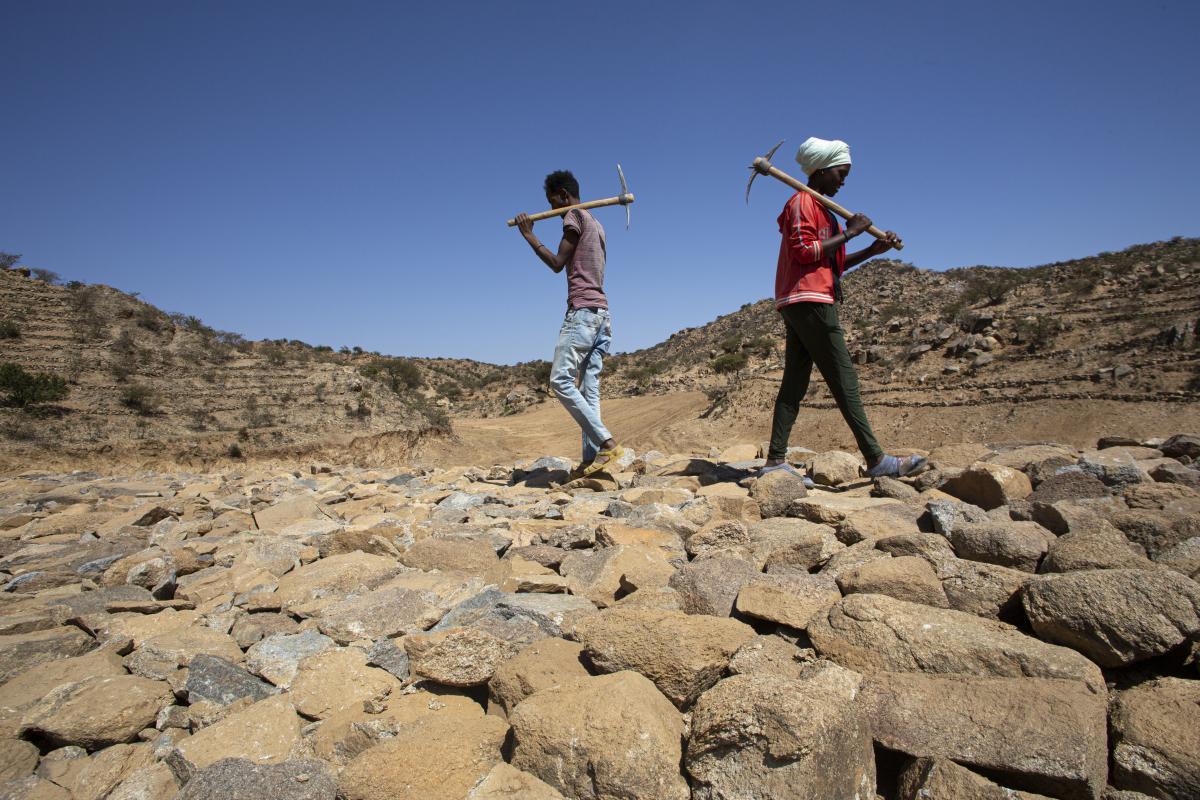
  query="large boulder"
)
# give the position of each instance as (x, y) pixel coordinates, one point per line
(1099, 547)
(22, 651)
(988, 485)
(793, 600)
(776, 491)
(986, 590)
(1041, 735)
(834, 468)
(683, 654)
(1019, 545)
(1156, 738)
(711, 585)
(543, 664)
(457, 656)
(766, 736)
(607, 574)
(475, 557)
(97, 712)
(873, 633)
(433, 758)
(266, 733)
(338, 574)
(1114, 616)
(277, 657)
(338, 679)
(610, 737)
(909, 578)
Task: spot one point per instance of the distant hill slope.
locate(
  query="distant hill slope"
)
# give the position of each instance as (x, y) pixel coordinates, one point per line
(146, 384)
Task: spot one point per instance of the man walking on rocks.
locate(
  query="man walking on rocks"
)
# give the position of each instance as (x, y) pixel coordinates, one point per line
(812, 258)
(586, 332)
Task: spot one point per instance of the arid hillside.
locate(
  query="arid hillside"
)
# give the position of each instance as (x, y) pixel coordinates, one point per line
(978, 353)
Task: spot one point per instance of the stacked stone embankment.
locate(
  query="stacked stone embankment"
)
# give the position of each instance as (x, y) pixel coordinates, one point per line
(1018, 621)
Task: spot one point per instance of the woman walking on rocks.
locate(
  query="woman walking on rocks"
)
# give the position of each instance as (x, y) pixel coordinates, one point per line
(812, 259)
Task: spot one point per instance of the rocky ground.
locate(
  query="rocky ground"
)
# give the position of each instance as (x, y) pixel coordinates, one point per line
(1019, 621)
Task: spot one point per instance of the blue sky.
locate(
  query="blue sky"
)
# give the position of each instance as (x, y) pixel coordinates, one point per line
(341, 172)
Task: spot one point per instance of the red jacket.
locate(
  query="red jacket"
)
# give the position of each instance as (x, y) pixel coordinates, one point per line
(804, 273)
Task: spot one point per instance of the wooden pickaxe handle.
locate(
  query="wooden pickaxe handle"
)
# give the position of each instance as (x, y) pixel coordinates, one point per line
(764, 167)
(619, 200)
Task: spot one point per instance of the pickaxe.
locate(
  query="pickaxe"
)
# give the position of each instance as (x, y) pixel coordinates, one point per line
(623, 199)
(763, 166)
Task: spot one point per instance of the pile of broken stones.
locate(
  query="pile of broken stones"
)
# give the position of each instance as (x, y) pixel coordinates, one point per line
(1018, 621)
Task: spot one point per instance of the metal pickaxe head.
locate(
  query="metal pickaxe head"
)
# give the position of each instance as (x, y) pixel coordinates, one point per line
(626, 197)
(760, 167)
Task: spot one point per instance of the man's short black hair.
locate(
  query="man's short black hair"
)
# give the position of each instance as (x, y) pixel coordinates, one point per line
(562, 179)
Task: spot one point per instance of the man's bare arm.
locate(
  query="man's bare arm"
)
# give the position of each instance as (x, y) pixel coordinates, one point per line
(566, 247)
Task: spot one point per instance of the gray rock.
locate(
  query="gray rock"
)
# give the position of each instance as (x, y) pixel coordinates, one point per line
(278, 657)
(218, 681)
(241, 779)
(1117, 470)
(946, 515)
(388, 655)
(711, 585)
(1182, 444)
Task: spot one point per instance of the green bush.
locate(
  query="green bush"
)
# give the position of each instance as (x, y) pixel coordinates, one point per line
(761, 346)
(234, 451)
(730, 362)
(450, 390)
(398, 374)
(45, 275)
(25, 389)
(142, 399)
(9, 329)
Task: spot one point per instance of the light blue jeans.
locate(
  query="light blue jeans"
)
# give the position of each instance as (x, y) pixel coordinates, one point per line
(583, 343)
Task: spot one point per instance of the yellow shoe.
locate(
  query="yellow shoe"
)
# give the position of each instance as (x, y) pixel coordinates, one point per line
(604, 459)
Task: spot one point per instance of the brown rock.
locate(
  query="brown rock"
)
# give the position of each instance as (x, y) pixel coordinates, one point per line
(97, 712)
(338, 679)
(605, 738)
(30, 686)
(988, 485)
(182, 645)
(834, 468)
(942, 779)
(505, 782)
(609, 573)
(457, 656)
(1102, 547)
(904, 578)
(1040, 735)
(23, 651)
(797, 542)
(1156, 738)
(793, 600)
(764, 736)
(873, 633)
(682, 654)
(771, 655)
(929, 546)
(1019, 545)
(985, 590)
(543, 664)
(341, 737)
(336, 574)
(1114, 616)
(451, 555)
(265, 732)
(719, 536)
(776, 491)
(876, 523)
(18, 759)
(434, 758)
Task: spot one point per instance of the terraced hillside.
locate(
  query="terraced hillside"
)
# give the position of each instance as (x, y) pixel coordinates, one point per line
(145, 384)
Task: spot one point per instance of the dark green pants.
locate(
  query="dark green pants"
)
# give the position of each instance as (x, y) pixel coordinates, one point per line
(814, 336)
